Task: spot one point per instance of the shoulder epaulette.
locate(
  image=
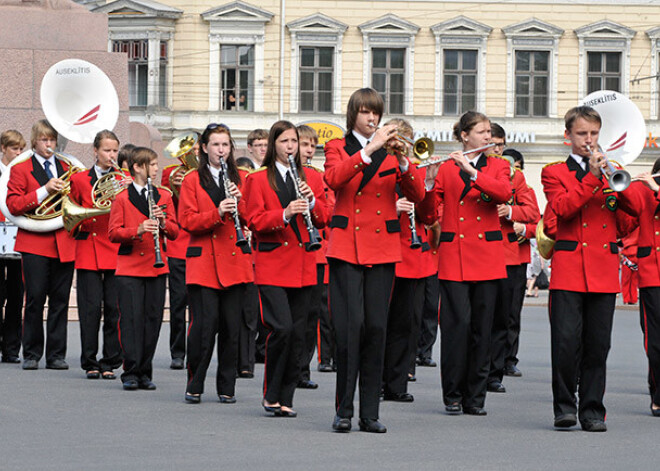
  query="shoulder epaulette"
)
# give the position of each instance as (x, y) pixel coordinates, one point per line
(171, 166)
(163, 188)
(312, 167)
(260, 169)
(554, 163)
(246, 169)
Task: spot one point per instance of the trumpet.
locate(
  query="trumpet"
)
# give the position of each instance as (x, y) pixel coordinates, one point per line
(444, 159)
(51, 206)
(240, 237)
(314, 236)
(618, 180)
(150, 201)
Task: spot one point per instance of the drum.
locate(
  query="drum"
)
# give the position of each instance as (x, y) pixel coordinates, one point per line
(7, 240)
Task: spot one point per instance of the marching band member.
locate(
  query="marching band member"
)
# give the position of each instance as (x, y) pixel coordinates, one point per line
(12, 144)
(257, 144)
(471, 260)
(217, 270)
(47, 256)
(96, 261)
(284, 290)
(585, 274)
(362, 250)
(140, 284)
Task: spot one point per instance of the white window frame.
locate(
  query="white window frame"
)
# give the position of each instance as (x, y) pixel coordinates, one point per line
(531, 35)
(654, 36)
(460, 33)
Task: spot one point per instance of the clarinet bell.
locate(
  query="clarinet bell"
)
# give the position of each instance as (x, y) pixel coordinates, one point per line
(240, 238)
(415, 243)
(314, 241)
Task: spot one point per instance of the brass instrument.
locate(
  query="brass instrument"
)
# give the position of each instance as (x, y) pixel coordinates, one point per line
(182, 147)
(422, 148)
(617, 179)
(73, 214)
(51, 206)
(545, 244)
(106, 188)
(150, 201)
(240, 237)
(314, 236)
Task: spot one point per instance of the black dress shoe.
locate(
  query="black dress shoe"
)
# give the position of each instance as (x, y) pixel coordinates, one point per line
(454, 408)
(147, 384)
(593, 425)
(93, 374)
(271, 409)
(130, 385)
(57, 364)
(307, 384)
(193, 398)
(496, 387)
(10, 359)
(565, 420)
(341, 424)
(655, 412)
(475, 411)
(177, 364)
(226, 399)
(371, 426)
(428, 362)
(411, 378)
(512, 370)
(286, 413)
(398, 397)
(325, 368)
(245, 374)
(30, 364)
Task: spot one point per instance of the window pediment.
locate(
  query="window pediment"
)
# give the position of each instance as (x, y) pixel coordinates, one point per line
(237, 12)
(138, 9)
(390, 24)
(318, 23)
(653, 33)
(605, 29)
(533, 28)
(461, 26)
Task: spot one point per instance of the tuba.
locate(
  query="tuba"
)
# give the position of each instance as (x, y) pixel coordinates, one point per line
(182, 147)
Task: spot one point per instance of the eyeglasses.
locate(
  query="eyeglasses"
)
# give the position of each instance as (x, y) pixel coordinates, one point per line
(213, 126)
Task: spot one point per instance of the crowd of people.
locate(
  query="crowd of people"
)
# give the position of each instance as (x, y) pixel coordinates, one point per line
(273, 259)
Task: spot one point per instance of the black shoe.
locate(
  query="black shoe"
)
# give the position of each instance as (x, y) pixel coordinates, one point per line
(30, 364)
(130, 385)
(177, 364)
(655, 412)
(371, 426)
(565, 420)
(10, 359)
(57, 364)
(427, 362)
(286, 413)
(496, 387)
(411, 378)
(193, 398)
(398, 397)
(454, 408)
(475, 411)
(593, 425)
(272, 409)
(93, 374)
(325, 368)
(341, 424)
(147, 384)
(245, 374)
(226, 399)
(512, 370)
(307, 384)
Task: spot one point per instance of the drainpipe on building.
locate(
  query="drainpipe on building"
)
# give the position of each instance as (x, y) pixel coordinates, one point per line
(282, 22)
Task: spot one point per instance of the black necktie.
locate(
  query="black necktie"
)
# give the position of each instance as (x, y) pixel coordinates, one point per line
(143, 193)
(47, 169)
(290, 186)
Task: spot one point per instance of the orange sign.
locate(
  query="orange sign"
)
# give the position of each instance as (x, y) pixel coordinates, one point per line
(326, 131)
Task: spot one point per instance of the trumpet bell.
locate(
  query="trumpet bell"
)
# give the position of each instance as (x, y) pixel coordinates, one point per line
(544, 243)
(423, 148)
(619, 180)
(182, 148)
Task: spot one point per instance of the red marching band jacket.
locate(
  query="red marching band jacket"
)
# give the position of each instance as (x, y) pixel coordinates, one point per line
(280, 258)
(136, 254)
(524, 210)
(213, 260)
(94, 251)
(177, 247)
(471, 240)
(365, 226)
(586, 256)
(26, 178)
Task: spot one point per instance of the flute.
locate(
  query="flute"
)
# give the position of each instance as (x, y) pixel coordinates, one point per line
(444, 159)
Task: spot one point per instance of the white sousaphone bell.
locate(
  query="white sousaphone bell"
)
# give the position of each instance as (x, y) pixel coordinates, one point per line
(79, 100)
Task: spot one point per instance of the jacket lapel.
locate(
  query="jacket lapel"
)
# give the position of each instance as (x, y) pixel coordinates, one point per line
(216, 193)
(92, 176)
(138, 201)
(573, 166)
(38, 172)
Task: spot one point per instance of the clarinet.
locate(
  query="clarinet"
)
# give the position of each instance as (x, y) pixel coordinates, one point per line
(150, 201)
(314, 236)
(240, 237)
(415, 242)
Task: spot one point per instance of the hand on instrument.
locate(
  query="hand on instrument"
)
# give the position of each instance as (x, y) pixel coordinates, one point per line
(158, 213)
(380, 137)
(518, 228)
(432, 171)
(148, 225)
(503, 210)
(306, 191)
(404, 206)
(234, 191)
(596, 162)
(54, 185)
(648, 180)
(463, 162)
(296, 207)
(228, 205)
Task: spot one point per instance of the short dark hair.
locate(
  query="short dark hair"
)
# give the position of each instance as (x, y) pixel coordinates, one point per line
(517, 157)
(245, 162)
(256, 135)
(497, 131)
(366, 98)
(142, 157)
(124, 153)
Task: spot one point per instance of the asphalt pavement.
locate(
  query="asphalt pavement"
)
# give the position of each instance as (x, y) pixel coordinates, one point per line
(59, 420)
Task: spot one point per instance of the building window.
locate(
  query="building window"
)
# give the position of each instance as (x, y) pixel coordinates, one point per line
(138, 70)
(387, 77)
(604, 71)
(237, 77)
(316, 68)
(532, 83)
(460, 80)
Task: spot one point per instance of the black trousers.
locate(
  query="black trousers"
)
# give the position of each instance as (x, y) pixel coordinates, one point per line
(248, 328)
(428, 332)
(649, 307)
(284, 314)
(96, 293)
(326, 333)
(313, 319)
(214, 312)
(581, 328)
(141, 301)
(11, 306)
(510, 293)
(45, 277)
(466, 318)
(359, 301)
(403, 320)
(178, 304)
